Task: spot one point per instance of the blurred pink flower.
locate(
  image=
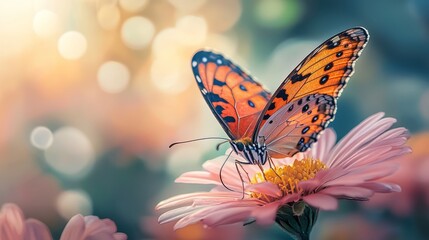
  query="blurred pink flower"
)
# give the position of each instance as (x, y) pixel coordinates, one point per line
(13, 226)
(413, 178)
(91, 228)
(350, 169)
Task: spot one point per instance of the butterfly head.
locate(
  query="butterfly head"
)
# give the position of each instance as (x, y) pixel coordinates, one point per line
(253, 153)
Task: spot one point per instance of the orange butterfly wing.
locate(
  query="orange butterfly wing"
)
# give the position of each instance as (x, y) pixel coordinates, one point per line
(325, 70)
(233, 96)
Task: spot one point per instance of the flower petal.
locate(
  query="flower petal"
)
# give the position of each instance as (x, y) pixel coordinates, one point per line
(324, 144)
(266, 215)
(348, 192)
(11, 222)
(75, 229)
(266, 188)
(36, 230)
(321, 201)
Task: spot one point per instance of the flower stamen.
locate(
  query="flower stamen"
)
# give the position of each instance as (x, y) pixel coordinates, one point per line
(287, 177)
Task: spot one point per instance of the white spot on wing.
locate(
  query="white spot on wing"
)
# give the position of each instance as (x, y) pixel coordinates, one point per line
(219, 61)
(198, 78)
(194, 63)
(204, 59)
(204, 91)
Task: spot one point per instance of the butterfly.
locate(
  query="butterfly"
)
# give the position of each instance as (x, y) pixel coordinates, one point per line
(262, 125)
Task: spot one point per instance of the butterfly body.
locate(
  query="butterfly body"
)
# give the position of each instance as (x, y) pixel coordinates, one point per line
(252, 152)
(262, 125)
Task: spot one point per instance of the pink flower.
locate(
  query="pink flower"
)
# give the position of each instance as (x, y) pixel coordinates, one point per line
(350, 169)
(414, 179)
(13, 226)
(91, 228)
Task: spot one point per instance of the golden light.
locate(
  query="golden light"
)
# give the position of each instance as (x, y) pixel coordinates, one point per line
(113, 77)
(186, 5)
(133, 5)
(45, 23)
(72, 202)
(109, 16)
(72, 45)
(193, 30)
(137, 32)
(171, 75)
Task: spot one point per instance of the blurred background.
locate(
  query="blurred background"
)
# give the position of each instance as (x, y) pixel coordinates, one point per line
(92, 92)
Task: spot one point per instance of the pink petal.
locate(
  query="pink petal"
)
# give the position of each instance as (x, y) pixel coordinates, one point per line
(11, 222)
(36, 230)
(324, 144)
(381, 187)
(198, 177)
(227, 216)
(265, 215)
(321, 201)
(75, 229)
(349, 192)
(191, 197)
(177, 213)
(266, 188)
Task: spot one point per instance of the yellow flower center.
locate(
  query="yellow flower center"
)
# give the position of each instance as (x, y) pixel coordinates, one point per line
(287, 177)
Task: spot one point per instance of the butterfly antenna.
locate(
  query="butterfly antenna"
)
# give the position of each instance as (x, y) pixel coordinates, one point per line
(219, 144)
(198, 139)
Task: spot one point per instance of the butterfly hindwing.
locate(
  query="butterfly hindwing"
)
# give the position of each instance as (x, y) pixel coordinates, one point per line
(296, 125)
(233, 96)
(324, 71)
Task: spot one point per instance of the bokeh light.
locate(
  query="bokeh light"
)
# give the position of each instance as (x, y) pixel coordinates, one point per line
(41, 137)
(170, 79)
(113, 77)
(187, 6)
(71, 153)
(278, 13)
(72, 202)
(133, 5)
(137, 32)
(45, 23)
(72, 45)
(109, 16)
(193, 30)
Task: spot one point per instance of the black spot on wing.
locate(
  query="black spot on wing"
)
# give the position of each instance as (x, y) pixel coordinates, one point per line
(266, 116)
(339, 54)
(331, 44)
(219, 109)
(282, 94)
(215, 98)
(242, 87)
(324, 79)
(218, 83)
(272, 106)
(305, 108)
(251, 103)
(329, 66)
(228, 119)
(305, 130)
(298, 77)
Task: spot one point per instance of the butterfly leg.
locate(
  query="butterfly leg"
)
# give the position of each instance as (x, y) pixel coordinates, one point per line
(220, 173)
(238, 163)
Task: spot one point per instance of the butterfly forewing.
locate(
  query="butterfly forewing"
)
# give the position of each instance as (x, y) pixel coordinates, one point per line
(233, 96)
(296, 125)
(324, 71)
